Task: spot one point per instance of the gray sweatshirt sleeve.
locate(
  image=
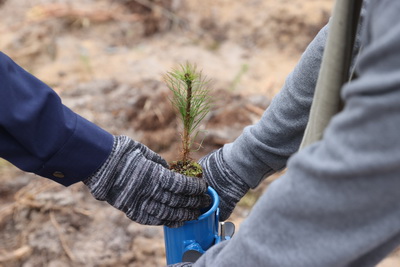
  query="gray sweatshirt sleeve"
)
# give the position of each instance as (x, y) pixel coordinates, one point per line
(338, 204)
(268, 144)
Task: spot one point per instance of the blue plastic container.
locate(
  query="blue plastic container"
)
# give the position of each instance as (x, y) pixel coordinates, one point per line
(198, 235)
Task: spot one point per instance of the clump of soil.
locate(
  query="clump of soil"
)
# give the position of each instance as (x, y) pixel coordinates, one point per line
(188, 168)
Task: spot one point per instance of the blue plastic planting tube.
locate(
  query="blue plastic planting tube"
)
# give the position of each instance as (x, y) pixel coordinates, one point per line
(198, 235)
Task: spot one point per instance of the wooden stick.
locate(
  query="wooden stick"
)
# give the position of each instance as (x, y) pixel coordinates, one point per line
(16, 254)
(61, 237)
(49, 11)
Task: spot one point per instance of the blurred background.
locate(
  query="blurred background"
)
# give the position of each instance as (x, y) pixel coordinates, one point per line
(106, 59)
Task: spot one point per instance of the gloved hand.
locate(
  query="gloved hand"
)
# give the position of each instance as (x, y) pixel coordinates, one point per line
(229, 186)
(135, 180)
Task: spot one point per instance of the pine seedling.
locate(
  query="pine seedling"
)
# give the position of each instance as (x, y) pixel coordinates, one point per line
(191, 98)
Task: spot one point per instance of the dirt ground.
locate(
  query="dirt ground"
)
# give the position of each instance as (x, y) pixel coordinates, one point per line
(106, 59)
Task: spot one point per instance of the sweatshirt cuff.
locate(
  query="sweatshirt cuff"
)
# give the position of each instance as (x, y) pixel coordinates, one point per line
(83, 153)
(250, 169)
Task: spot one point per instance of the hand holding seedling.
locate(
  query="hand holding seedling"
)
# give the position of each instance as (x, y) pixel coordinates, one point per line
(136, 181)
(192, 100)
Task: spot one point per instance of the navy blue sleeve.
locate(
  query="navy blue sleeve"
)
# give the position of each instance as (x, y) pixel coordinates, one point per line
(39, 134)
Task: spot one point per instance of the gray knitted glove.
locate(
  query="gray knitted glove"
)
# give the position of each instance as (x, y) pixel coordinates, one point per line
(135, 180)
(225, 181)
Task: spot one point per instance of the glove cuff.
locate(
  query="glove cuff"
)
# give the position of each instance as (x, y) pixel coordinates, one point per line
(230, 187)
(102, 180)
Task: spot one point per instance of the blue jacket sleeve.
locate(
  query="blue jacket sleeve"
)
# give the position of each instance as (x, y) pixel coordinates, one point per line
(39, 134)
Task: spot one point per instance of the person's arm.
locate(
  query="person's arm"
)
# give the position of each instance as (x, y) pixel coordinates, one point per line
(39, 134)
(268, 144)
(264, 148)
(338, 204)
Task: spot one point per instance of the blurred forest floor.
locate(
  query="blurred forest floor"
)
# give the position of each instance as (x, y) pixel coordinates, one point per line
(106, 59)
